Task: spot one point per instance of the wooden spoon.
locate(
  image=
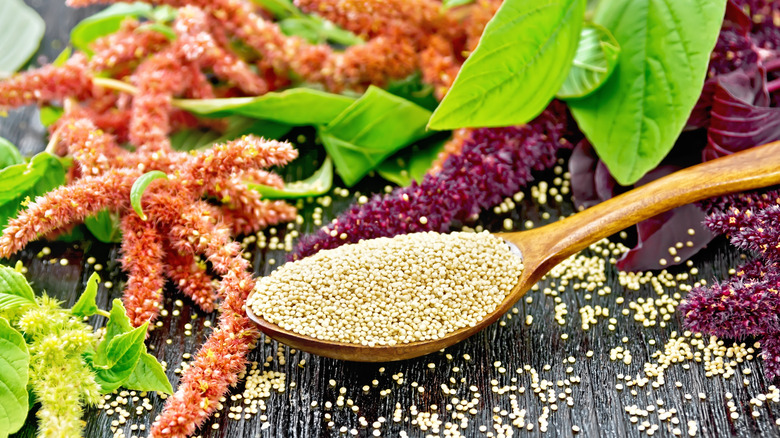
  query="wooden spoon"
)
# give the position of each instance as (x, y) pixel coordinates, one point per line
(544, 247)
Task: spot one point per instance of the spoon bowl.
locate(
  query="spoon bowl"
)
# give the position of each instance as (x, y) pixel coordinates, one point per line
(544, 247)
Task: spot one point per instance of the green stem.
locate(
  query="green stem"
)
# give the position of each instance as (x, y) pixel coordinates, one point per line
(102, 312)
(51, 146)
(115, 85)
(124, 87)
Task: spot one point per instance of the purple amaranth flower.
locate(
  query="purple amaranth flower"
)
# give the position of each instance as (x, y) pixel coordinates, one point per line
(734, 48)
(494, 163)
(742, 201)
(750, 229)
(746, 305)
(770, 351)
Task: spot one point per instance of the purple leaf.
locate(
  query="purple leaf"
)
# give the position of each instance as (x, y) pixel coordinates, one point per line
(658, 234)
(741, 117)
(734, 50)
(700, 116)
(591, 182)
(737, 19)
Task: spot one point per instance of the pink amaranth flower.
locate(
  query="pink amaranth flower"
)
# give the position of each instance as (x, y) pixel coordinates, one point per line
(47, 84)
(142, 259)
(130, 44)
(397, 31)
(67, 205)
(223, 356)
(751, 224)
(179, 221)
(243, 209)
(158, 79)
(189, 275)
(372, 18)
(93, 151)
(162, 203)
(102, 112)
(199, 47)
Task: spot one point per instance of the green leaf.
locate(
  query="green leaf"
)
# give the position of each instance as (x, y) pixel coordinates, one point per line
(14, 368)
(304, 28)
(106, 22)
(75, 234)
(120, 346)
(19, 177)
(104, 226)
(634, 119)
(297, 106)
(21, 31)
(370, 130)
(15, 292)
(520, 63)
(595, 60)
(21, 181)
(164, 29)
(453, 3)
(148, 375)
(413, 89)
(63, 57)
(317, 184)
(279, 8)
(412, 163)
(139, 187)
(164, 14)
(194, 139)
(118, 323)
(11, 304)
(121, 358)
(318, 30)
(50, 114)
(87, 304)
(9, 154)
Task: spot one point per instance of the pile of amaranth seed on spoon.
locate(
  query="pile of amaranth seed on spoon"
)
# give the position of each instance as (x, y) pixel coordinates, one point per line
(389, 291)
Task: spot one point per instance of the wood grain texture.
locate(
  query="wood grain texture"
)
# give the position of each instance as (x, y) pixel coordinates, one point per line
(599, 408)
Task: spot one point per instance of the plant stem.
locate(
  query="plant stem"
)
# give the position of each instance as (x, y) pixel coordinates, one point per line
(124, 87)
(772, 65)
(51, 146)
(773, 86)
(115, 85)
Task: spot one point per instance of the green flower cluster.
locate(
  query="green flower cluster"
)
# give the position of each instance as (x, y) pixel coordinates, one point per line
(52, 354)
(60, 378)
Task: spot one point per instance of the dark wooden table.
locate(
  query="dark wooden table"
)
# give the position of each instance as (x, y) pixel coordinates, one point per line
(599, 408)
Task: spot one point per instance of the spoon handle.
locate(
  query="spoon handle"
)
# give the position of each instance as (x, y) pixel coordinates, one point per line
(750, 169)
